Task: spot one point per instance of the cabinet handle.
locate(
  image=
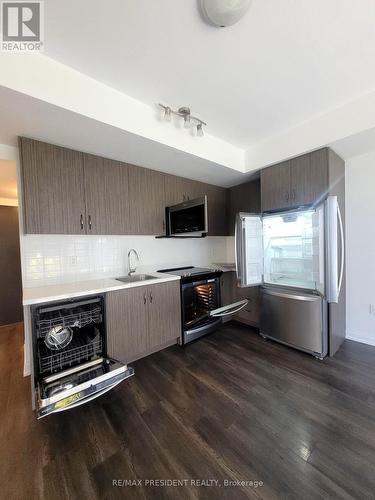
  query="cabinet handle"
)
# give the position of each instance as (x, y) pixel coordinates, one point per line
(294, 194)
(90, 222)
(150, 298)
(81, 221)
(287, 196)
(145, 298)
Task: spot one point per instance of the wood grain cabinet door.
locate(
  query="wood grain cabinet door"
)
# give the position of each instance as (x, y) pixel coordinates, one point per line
(217, 210)
(242, 198)
(308, 178)
(179, 189)
(251, 313)
(107, 196)
(146, 201)
(53, 188)
(126, 317)
(275, 187)
(164, 313)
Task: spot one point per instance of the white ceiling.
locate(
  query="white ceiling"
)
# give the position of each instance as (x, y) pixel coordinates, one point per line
(8, 180)
(284, 63)
(23, 115)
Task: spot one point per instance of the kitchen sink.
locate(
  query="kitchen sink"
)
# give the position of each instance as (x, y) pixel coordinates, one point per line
(135, 277)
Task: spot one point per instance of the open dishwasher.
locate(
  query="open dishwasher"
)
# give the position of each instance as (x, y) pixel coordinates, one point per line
(69, 355)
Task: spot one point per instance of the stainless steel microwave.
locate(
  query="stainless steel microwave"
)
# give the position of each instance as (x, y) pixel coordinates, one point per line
(188, 218)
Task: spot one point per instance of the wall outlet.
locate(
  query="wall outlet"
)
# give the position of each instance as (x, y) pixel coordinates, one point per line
(73, 260)
(372, 309)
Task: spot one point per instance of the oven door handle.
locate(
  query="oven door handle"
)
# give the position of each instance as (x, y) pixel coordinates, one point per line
(230, 309)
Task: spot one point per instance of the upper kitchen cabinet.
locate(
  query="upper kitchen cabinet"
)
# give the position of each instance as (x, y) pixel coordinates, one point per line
(217, 210)
(179, 189)
(242, 198)
(297, 182)
(146, 201)
(308, 178)
(53, 188)
(107, 196)
(275, 186)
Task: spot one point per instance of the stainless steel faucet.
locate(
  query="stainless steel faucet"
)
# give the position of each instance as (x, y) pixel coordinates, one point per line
(132, 269)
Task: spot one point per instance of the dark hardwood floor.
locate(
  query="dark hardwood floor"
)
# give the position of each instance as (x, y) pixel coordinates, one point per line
(229, 407)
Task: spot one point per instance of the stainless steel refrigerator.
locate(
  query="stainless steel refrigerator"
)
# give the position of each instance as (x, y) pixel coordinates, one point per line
(297, 257)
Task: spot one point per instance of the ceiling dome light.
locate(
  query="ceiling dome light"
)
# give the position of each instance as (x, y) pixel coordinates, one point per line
(224, 12)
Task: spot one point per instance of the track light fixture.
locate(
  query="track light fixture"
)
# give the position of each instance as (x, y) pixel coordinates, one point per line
(189, 119)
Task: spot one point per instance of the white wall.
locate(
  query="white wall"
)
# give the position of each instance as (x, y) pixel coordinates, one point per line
(59, 259)
(360, 244)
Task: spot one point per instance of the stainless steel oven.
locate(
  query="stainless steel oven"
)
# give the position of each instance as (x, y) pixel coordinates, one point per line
(69, 355)
(202, 312)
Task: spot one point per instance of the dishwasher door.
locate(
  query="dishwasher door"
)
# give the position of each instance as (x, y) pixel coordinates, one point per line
(74, 387)
(296, 319)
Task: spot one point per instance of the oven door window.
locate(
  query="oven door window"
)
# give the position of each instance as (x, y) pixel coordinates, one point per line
(198, 300)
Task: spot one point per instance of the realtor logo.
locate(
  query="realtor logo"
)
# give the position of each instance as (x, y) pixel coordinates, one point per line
(22, 26)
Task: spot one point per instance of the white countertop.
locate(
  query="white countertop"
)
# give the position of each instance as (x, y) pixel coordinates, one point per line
(225, 266)
(50, 293)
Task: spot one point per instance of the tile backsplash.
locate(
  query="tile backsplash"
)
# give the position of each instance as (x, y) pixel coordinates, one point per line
(54, 259)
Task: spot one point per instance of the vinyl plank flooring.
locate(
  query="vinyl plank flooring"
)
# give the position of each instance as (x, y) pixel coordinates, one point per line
(228, 407)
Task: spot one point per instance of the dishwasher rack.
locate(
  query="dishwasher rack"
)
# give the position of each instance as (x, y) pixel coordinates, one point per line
(80, 315)
(78, 351)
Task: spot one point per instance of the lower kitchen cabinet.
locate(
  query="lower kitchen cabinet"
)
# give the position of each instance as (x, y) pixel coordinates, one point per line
(230, 293)
(142, 320)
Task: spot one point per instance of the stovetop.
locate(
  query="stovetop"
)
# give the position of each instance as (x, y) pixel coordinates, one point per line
(191, 271)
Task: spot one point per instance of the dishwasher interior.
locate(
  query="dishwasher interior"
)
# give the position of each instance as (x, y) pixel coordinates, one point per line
(69, 354)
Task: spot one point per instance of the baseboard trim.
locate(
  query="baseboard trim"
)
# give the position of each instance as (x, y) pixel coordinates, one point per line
(362, 339)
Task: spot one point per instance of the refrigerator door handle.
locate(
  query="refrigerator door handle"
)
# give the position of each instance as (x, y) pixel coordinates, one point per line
(342, 249)
(235, 245)
(334, 225)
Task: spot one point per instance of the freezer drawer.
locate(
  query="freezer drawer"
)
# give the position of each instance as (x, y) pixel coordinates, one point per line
(295, 319)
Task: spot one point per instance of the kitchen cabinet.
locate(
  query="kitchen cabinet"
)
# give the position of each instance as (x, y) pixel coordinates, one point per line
(142, 320)
(68, 192)
(107, 196)
(216, 209)
(230, 293)
(308, 178)
(242, 198)
(300, 181)
(146, 201)
(179, 189)
(164, 312)
(53, 188)
(275, 186)
(249, 314)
